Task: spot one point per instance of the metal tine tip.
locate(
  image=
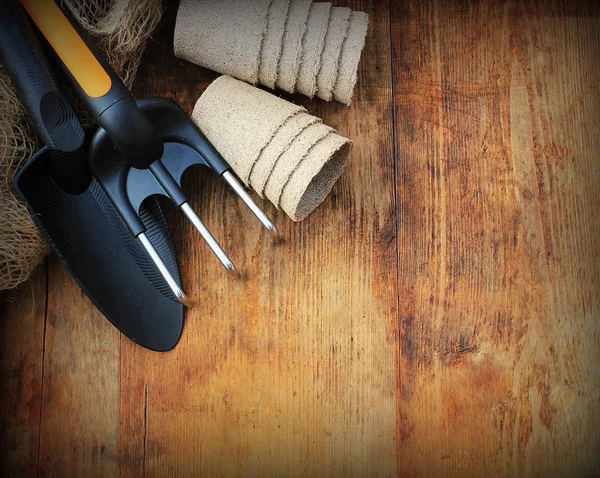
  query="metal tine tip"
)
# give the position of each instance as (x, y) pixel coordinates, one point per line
(215, 247)
(240, 190)
(179, 294)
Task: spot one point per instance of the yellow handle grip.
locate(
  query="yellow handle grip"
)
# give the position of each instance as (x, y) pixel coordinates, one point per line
(69, 46)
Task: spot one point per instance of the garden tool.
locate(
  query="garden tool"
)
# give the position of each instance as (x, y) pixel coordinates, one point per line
(141, 149)
(72, 210)
(136, 152)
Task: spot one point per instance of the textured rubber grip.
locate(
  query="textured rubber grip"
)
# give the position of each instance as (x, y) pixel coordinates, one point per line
(78, 57)
(108, 100)
(23, 58)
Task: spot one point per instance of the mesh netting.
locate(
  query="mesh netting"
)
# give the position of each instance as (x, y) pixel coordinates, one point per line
(120, 28)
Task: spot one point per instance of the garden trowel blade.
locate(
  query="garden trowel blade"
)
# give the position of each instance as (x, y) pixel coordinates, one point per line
(109, 265)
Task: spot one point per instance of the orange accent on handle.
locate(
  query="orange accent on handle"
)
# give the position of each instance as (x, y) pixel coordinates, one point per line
(69, 46)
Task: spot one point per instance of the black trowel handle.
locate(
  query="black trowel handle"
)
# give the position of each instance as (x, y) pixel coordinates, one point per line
(109, 101)
(23, 58)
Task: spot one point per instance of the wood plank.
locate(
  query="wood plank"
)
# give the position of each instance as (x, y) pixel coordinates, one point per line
(22, 318)
(80, 408)
(497, 112)
(292, 370)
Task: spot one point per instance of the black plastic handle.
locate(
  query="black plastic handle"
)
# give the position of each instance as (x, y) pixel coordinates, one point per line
(59, 128)
(112, 106)
(23, 58)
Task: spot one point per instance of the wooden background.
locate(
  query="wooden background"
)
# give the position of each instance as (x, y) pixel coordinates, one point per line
(437, 316)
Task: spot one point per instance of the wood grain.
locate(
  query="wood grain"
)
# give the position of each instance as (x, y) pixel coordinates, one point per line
(496, 105)
(438, 315)
(80, 404)
(292, 369)
(22, 319)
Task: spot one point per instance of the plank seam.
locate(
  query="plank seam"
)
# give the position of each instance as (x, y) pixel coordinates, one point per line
(145, 428)
(397, 227)
(47, 266)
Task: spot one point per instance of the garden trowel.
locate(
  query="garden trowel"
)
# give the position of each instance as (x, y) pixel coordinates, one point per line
(73, 211)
